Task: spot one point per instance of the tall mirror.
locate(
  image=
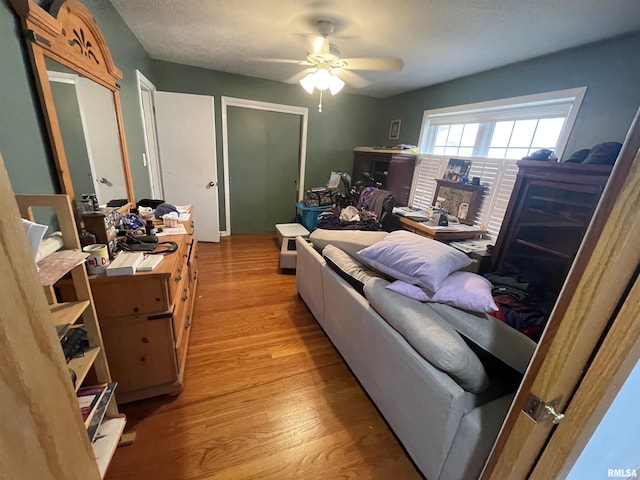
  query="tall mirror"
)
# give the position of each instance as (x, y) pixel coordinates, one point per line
(77, 83)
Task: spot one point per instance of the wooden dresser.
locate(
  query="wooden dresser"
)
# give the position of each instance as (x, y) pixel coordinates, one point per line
(145, 320)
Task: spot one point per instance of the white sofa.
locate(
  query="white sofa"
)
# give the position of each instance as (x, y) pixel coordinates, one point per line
(413, 370)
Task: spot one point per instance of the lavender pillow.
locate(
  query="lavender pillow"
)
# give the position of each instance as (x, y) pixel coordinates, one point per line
(464, 290)
(414, 259)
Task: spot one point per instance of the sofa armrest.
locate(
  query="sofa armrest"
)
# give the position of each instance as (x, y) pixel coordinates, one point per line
(309, 265)
(476, 435)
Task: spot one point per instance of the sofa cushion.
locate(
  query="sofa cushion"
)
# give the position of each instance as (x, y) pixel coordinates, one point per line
(431, 336)
(352, 271)
(465, 290)
(349, 241)
(414, 259)
(494, 336)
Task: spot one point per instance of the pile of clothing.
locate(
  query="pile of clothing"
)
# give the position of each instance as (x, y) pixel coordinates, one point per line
(521, 301)
(368, 213)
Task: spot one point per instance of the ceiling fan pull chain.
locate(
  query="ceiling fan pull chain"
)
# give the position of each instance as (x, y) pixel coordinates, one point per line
(320, 104)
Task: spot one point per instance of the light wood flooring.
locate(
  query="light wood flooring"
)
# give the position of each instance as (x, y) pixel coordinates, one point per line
(266, 395)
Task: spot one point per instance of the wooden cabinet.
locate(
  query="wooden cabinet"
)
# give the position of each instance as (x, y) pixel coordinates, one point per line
(146, 321)
(393, 169)
(547, 216)
(79, 312)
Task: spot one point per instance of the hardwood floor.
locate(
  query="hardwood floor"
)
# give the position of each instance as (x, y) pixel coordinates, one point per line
(266, 395)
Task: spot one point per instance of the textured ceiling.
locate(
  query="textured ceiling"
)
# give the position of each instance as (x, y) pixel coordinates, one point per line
(438, 40)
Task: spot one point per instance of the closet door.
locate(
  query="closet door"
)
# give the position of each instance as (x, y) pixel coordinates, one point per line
(264, 148)
(186, 140)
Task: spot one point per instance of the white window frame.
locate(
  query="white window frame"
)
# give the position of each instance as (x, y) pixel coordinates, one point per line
(498, 174)
(540, 105)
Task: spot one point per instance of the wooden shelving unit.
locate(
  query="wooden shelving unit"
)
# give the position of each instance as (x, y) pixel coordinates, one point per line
(81, 312)
(548, 214)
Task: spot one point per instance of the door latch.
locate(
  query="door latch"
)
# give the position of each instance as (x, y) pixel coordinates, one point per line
(539, 411)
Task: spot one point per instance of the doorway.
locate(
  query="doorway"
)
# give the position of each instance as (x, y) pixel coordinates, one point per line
(151, 156)
(264, 151)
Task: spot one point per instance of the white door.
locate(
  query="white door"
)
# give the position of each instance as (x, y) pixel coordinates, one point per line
(103, 139)
(152, 162)
(186, 139)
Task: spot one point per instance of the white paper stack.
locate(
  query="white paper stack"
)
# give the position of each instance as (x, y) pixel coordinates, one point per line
(125, 264)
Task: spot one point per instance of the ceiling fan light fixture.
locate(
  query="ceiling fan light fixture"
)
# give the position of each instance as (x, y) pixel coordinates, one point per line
(308, 83)
(322, 79)
(335, 84)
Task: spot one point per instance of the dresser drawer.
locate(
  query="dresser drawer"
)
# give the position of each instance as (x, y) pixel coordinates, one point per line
(181, 311)
(141, 352)
(183, 341)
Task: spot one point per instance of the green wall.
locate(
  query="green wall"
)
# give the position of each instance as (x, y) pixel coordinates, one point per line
(24, 142)
(23, 139)
(609, 69)
(345, 122)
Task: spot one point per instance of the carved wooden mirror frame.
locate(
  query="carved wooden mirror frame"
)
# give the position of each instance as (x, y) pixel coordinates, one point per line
(69, 35)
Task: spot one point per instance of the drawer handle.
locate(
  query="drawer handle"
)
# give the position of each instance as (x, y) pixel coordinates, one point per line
(178, 278)
(188, 323)
(185, 297)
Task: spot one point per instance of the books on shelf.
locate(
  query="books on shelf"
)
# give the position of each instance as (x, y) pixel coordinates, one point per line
(100, 411)
(124, 264)
(93, 402)
(88, 398)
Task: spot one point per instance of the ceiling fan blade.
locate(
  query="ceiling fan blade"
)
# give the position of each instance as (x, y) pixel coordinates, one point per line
(317, 44)
(299, 76)
(353, 79)
(382, 63)
(281, 60)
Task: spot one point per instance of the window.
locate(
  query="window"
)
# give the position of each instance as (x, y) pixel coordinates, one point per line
(510, 128)
(493, 135)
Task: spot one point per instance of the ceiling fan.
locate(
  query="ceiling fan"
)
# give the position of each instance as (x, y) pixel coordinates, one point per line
(327, 70)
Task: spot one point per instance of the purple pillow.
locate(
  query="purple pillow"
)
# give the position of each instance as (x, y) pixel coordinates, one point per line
(414, 259)
(464, 290)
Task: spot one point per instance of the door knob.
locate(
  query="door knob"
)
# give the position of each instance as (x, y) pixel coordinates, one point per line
(211, 184)
(105, 181)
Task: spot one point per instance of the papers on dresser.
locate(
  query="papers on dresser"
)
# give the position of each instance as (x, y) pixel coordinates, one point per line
(454, 227)
(418, 215)
(179, 230)
(184, 212)
(468, 246)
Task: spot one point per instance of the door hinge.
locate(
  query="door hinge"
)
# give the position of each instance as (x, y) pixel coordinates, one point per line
(539, 411)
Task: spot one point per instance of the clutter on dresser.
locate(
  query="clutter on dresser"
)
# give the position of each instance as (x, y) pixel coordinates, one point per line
(101, 224)
(98, 258)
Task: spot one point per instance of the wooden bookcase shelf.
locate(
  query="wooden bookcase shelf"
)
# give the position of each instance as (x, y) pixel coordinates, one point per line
(68, 312)
(79, 313)
(547, 216)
